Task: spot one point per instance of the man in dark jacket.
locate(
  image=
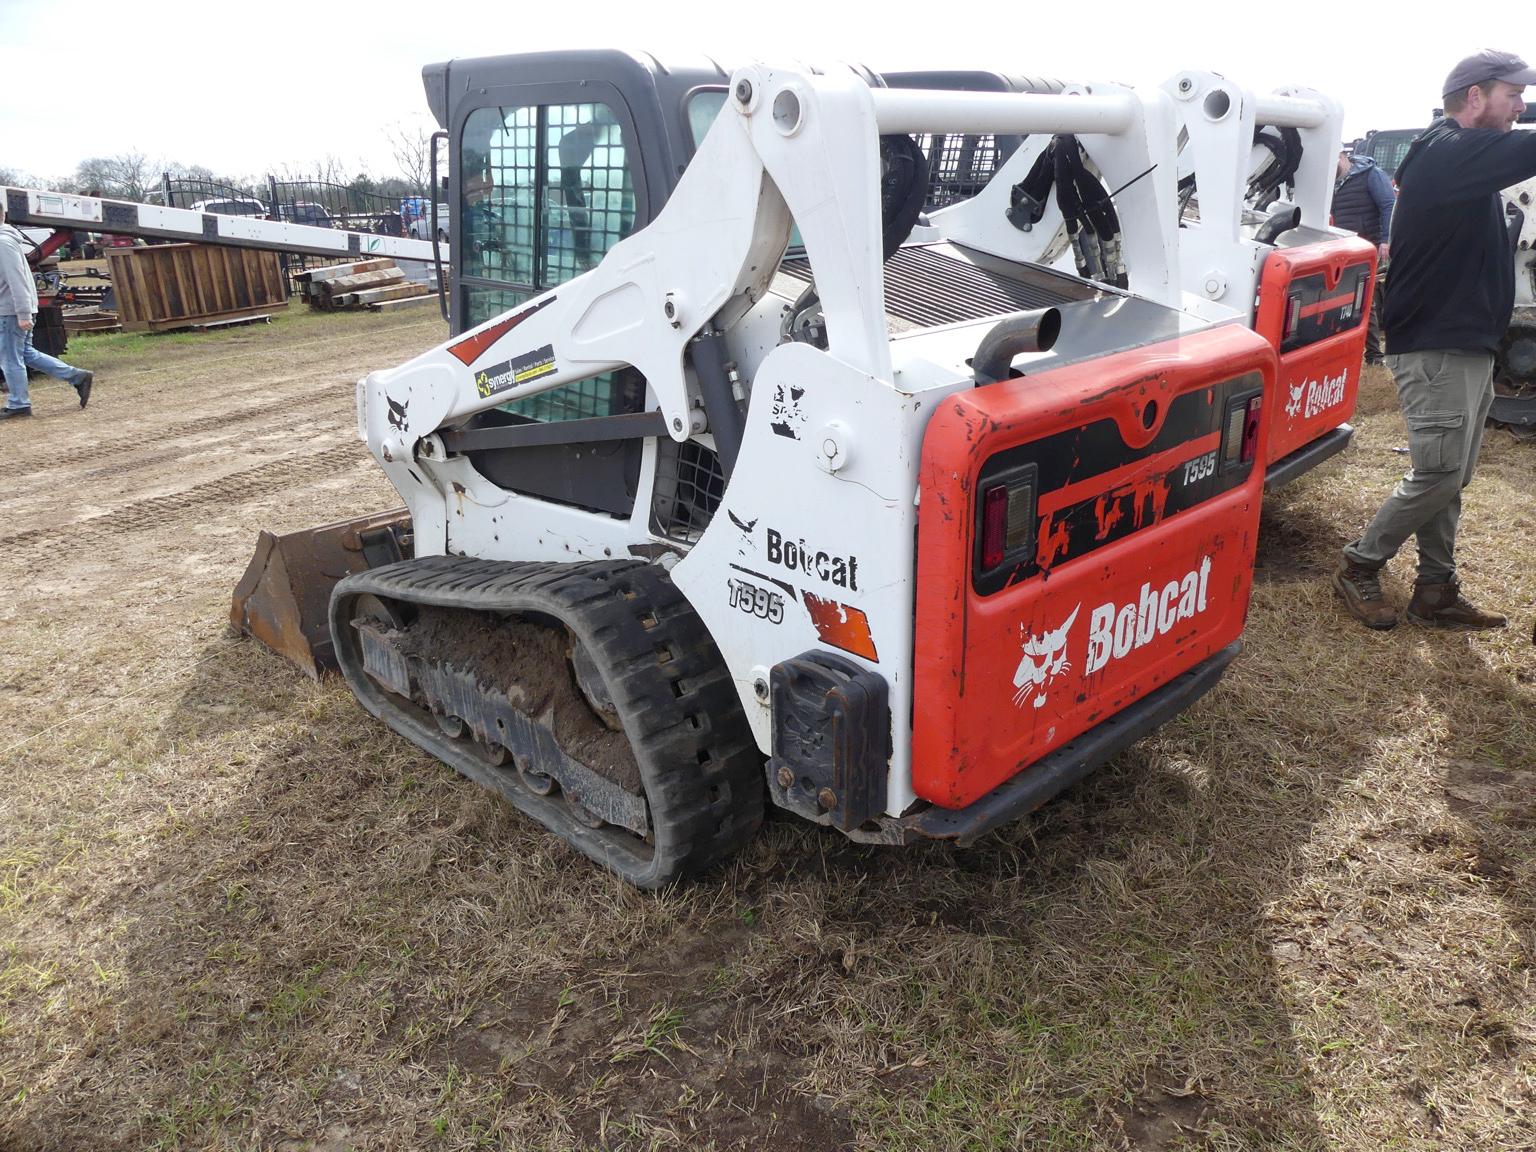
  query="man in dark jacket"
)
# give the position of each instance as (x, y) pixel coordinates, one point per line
(1449, 296)
(1362, 202)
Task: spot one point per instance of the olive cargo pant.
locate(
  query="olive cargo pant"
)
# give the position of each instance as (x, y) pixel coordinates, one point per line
(1445, 398)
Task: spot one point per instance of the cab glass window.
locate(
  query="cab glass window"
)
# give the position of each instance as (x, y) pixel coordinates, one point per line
(546, 191)
(703, 106)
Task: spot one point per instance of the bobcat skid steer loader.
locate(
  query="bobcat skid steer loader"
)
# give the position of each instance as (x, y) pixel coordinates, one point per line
(902, 547)
(535, 219)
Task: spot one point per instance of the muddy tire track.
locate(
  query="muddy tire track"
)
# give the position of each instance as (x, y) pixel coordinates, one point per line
(214, 422)
(232, 489)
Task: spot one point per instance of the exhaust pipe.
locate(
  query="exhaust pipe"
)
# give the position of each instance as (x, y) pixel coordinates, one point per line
(1277, 225)
(1012, 336)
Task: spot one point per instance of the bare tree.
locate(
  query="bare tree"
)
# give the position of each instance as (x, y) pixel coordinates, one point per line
(126, 176)
(412, 148)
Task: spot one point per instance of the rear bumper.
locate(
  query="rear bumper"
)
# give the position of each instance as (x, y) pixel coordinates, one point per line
(1307, 457)
(1031, 788)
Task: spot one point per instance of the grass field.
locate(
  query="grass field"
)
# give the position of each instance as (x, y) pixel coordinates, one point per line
(237, 913)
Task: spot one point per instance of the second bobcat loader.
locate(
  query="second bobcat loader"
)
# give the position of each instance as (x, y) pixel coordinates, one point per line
(1245, 254)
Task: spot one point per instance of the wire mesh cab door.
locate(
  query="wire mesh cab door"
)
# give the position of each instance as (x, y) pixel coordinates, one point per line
(546, 176)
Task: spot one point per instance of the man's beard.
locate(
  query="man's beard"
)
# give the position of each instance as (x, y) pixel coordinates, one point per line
(1498, 121)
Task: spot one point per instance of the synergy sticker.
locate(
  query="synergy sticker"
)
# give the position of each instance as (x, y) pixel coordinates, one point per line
(519, 370)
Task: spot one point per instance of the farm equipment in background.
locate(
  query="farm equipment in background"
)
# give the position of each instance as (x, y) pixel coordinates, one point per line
(1387, 146)
(1514, 402)
(48, 332)
(907, 533)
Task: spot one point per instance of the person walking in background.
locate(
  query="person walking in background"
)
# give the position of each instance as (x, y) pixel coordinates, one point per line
(18, 305)
(1362, 203)
(1450, 293)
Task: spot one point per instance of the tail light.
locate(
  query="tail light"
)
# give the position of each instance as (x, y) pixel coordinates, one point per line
(1251, 413)
(1007, 510)
(1359, 305)
(1240, 435)
(1292, 316)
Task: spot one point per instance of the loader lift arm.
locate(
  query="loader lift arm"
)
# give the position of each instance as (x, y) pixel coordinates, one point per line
(787, 148)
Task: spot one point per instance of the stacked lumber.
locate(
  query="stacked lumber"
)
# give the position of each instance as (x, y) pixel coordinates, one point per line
(78, 320)
(372, 284)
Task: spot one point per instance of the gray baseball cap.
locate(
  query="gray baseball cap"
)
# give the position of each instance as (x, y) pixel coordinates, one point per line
(1481, 67)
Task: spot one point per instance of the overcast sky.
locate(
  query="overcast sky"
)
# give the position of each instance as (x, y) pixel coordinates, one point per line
(244, 88)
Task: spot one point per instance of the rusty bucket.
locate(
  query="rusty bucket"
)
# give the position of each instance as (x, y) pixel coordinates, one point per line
(284, 598)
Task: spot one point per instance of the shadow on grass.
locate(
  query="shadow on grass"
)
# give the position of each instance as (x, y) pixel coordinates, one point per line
(346, 945)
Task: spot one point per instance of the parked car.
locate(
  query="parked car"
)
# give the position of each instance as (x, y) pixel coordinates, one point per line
(231, 206)
(305, 212)
(416, 212)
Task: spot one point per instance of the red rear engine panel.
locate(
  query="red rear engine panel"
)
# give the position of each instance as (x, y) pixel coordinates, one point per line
(1117, 555)
(1314, 302)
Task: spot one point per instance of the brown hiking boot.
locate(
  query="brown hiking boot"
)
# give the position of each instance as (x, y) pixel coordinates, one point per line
(1443, 606)
(1361, 590)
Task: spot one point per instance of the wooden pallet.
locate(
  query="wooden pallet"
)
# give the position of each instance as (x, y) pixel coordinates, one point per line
(165, 287)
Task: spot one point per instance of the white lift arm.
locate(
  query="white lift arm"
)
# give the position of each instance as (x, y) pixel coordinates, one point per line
(792, 146)
(1217, 119)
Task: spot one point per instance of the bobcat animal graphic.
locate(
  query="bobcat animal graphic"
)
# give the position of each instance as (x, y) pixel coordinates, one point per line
(1045, 658)
(397, 414)
(1293, 405)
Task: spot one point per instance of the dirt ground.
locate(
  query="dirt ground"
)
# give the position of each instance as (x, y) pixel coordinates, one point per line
(237, 913)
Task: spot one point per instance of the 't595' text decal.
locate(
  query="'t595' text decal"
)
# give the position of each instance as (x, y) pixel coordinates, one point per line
(755, 601)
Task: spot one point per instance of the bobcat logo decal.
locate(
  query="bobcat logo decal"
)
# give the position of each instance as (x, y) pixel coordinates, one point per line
(1293, 405)
(397, 414)
(1045, 658)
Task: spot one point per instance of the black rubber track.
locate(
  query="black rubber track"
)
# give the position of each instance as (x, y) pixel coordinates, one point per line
(699, 765)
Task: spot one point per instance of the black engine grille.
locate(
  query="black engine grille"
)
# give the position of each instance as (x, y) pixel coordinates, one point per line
(928, 286)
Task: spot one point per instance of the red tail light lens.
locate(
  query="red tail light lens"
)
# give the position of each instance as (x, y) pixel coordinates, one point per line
(1007, 519)
(994, 525)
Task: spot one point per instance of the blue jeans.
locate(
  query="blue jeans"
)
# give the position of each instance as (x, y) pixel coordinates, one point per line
(17, 355)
